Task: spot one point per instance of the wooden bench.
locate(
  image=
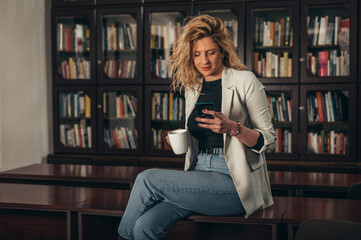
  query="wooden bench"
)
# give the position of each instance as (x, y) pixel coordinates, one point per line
(301, 209)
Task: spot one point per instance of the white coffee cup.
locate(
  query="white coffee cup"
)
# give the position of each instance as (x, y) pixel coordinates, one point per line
(178, 141)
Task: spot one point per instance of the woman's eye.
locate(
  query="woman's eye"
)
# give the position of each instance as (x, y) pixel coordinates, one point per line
(212, 52)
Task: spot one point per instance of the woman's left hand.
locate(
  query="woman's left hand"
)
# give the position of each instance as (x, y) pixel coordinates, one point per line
(219, 124)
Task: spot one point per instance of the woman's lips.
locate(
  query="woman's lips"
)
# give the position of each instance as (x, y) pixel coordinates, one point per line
(206, 68)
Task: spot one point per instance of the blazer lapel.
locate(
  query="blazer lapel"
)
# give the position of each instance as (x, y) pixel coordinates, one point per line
(192, 98)
(227, 91)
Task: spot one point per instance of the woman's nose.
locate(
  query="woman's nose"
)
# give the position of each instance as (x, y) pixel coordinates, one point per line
(205, 59)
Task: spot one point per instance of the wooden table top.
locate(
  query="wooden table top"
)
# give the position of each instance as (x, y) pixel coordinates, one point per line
(283, 178)
(327, 180)
(73, 171)
(301, 209)
(48, 197)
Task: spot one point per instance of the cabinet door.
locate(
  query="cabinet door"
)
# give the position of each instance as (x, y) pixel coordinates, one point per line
(162, 27)
(165, 111)
(72, 3)
(120, 46)
(272, 41)
(120, 119)
(328, 122)
(233, 17)
(328, 41)
(73, 47)
(74, 120)
(283, 107)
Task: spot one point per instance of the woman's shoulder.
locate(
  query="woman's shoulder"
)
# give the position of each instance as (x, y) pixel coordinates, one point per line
(242, 73)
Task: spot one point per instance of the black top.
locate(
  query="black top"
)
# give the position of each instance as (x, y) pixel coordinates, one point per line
(211, 92)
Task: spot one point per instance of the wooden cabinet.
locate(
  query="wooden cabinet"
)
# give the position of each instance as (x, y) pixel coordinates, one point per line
(114, 54)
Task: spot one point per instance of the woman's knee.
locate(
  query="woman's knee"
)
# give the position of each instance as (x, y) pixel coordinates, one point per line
(144, 228)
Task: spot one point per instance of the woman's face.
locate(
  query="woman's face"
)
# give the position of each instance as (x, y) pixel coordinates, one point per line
(207, 58)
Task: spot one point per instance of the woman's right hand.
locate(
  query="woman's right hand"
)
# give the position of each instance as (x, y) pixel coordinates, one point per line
(167, 139)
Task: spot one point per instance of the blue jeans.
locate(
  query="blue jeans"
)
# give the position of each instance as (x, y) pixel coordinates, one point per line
(161, 197)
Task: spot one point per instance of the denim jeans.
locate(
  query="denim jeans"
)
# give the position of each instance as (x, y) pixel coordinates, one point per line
(161, 197)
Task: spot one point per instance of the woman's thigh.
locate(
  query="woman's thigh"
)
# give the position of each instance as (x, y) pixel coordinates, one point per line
(209, 193)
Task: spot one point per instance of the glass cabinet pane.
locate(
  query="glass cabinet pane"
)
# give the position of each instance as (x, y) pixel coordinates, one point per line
(328, 127)
(272, 33)
(75, 116)
(119, 46)
(73, 48)
(280, 108)
(164, 30)
(328, 41)
(167, 113)
(230, 20)
(120, 111)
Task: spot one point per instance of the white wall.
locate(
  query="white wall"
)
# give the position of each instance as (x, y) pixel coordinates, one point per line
(25, 82)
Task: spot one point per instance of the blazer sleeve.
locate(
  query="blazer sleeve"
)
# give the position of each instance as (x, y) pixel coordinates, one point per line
(257, 108)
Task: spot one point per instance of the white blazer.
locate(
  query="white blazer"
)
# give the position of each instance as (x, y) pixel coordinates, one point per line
(244, 100)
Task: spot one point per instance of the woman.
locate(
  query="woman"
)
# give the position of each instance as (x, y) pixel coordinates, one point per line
(225, 169)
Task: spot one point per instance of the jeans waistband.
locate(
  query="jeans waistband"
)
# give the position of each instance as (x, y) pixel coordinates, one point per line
(217, 151)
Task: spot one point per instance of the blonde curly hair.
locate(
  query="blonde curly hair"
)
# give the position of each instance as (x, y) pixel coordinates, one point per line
(181, 67)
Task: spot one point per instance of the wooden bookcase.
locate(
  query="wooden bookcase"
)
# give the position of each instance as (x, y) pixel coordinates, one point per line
(247, 21)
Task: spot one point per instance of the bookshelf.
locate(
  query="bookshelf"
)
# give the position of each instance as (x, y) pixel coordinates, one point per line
(283, 106)
(329, 118)
(120, 54)
(73, 47)
(128, 42)
(272, 52)
(120, 119)
(74, 119)
(166, 111)
(232, 15)
(162, 26)
(330, 33)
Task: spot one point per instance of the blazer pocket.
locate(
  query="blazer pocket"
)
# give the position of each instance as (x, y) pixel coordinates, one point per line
(255, 160)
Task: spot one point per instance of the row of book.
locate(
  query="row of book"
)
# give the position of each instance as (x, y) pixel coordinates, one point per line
(328, 142)
(168, 106)
(273, 33)
(120, 36)
(232, 27)
(76, 135)
(272, 64)
(73, 37)
(159, 68)
(280, 108)
(121, 137)
(120, 68)
(74, 104)
(119, 105)
(329, 63)
(284, 141)
(327, 30)
(327, 106)
(164, 36)
(158, 139)
(78, 68)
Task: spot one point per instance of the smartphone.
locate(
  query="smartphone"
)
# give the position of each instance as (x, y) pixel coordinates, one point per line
(204, 105)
